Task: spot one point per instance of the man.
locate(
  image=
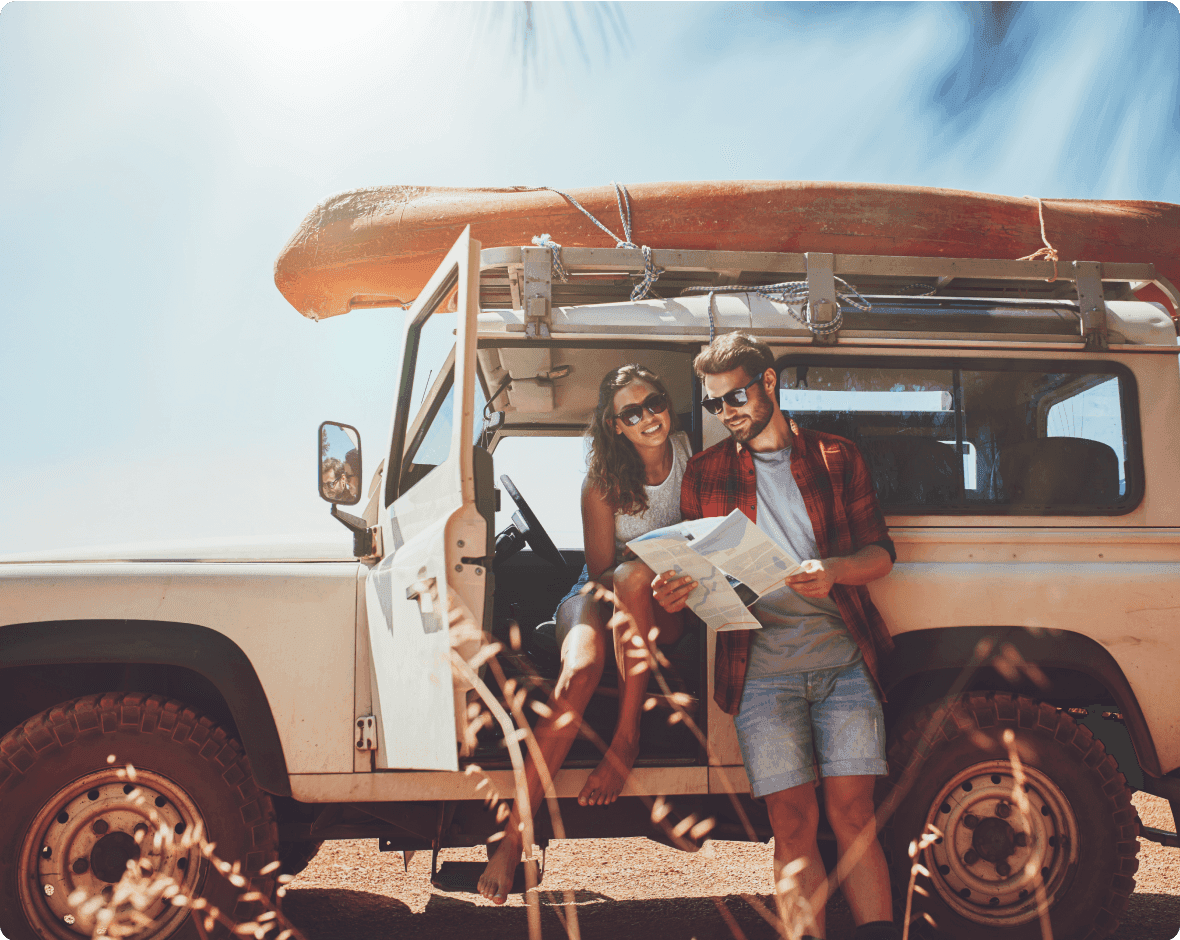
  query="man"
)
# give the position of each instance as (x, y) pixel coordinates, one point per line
(803, 688)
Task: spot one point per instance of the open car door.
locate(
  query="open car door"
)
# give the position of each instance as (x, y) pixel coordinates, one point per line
(435, 537)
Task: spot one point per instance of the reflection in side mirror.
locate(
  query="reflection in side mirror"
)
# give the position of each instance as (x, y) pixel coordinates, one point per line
(340, 463)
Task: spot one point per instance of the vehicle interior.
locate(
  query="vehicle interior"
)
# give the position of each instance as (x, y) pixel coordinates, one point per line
(542, 452)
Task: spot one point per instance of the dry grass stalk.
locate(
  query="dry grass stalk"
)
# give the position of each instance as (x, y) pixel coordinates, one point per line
(730, 921)
(121, 913)
(917, 847)
(795, 911)
(658, 663)
(569, 906)
(532, 903)
(1020, 798)
(1006, 660)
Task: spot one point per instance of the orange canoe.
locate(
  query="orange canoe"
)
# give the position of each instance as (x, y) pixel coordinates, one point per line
(381, 245)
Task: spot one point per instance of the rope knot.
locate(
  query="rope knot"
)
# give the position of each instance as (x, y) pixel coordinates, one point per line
(650, 275)
(791, 293)
(1048, 253)
(544, 241)
(623, 200)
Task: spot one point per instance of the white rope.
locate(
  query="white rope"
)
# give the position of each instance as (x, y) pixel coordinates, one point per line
(544, 241)
(1048, 253)
(623, 201)
(791, 293)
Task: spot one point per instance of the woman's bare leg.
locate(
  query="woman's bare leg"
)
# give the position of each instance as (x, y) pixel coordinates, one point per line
(633, 589)
(583, 653)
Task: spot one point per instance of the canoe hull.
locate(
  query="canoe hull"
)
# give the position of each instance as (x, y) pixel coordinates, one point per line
(382, 245)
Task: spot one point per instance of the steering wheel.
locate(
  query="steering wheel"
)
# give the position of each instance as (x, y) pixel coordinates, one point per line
(527, 525)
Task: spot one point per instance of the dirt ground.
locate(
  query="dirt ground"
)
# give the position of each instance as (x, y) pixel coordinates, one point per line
(625, 889)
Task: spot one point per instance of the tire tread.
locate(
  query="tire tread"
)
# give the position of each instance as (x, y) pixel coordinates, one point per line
(92, 718)
(918, 732)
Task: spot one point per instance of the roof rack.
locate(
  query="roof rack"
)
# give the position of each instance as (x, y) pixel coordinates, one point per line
(521, 278)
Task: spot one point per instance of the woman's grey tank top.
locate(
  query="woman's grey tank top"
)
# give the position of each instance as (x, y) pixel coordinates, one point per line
(663, 500)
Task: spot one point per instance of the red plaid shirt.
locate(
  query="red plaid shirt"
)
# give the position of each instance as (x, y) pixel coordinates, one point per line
(842, 505)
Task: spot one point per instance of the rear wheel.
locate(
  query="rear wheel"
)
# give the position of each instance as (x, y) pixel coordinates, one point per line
(1078, 841)
(73, 818)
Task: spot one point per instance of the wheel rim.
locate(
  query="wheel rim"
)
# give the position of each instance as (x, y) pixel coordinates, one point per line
(85, 834)
(992, 857)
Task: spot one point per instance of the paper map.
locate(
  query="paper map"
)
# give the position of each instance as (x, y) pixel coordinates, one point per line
(708, 550)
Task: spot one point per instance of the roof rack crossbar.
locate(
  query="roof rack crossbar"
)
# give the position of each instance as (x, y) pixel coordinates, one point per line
(631, 261)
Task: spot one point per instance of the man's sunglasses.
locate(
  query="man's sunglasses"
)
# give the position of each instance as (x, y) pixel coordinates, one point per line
(735, 398)
(655, 403)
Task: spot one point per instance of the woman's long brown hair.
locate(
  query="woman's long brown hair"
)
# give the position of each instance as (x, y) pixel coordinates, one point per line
(615, 467)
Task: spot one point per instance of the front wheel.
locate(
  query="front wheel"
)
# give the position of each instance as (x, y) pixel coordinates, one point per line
(104, 780)
(1076, 847)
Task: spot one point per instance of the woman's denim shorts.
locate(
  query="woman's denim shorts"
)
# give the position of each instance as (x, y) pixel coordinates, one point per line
(583, 580)
(788, 724)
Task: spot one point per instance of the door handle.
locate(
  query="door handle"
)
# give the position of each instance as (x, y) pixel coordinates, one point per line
(424, 591)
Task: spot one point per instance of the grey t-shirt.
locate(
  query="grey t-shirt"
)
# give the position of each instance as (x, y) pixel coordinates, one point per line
(799, 634)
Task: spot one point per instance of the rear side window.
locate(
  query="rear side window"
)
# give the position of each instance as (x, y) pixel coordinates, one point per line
(982, 436)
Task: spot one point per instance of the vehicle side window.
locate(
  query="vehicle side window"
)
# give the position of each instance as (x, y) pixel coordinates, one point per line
(432, 443)
(1013, 437)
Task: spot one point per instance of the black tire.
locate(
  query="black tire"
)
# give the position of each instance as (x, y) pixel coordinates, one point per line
(1081, 831)
(69, 813)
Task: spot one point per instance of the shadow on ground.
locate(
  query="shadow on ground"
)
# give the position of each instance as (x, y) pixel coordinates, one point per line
(1150, 917)
(338, 914)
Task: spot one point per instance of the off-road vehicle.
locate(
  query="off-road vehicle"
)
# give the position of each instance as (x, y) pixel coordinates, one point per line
(1023, 436)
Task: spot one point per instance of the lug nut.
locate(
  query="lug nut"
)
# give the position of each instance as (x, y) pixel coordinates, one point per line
(100, 826)
(969, 857)
(970, 821)
(1020, 839)
(1003, 870)
(1003, 810)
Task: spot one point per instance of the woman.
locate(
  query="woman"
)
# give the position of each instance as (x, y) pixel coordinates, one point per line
(637, 460)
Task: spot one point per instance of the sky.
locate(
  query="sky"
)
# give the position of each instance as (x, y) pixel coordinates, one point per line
(155, 158)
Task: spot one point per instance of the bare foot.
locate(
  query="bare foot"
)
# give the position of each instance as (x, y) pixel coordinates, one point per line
(608, 778)
(496, 880)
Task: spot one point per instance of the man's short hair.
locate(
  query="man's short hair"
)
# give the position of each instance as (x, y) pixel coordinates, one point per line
(731, 351)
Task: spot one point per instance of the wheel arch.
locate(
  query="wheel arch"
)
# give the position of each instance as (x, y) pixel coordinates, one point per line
(925, 664)
(79, 652)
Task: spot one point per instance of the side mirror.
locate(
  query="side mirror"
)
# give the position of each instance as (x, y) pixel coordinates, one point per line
(340, 463)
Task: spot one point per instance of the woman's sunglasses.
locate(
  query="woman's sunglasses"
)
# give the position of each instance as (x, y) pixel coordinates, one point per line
(655, 403)
(735, 398)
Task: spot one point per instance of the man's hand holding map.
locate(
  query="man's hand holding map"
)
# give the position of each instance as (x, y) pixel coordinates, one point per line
(707, 550)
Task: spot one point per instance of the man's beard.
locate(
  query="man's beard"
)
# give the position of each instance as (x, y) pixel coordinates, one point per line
(762, 413)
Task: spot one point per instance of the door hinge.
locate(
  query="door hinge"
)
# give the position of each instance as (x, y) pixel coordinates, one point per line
(366, 733)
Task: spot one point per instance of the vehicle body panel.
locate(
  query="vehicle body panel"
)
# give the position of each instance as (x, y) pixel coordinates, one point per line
(294, 621)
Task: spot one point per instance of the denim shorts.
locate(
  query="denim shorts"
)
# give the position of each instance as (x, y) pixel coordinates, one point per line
(583, 580)
(781, 716)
